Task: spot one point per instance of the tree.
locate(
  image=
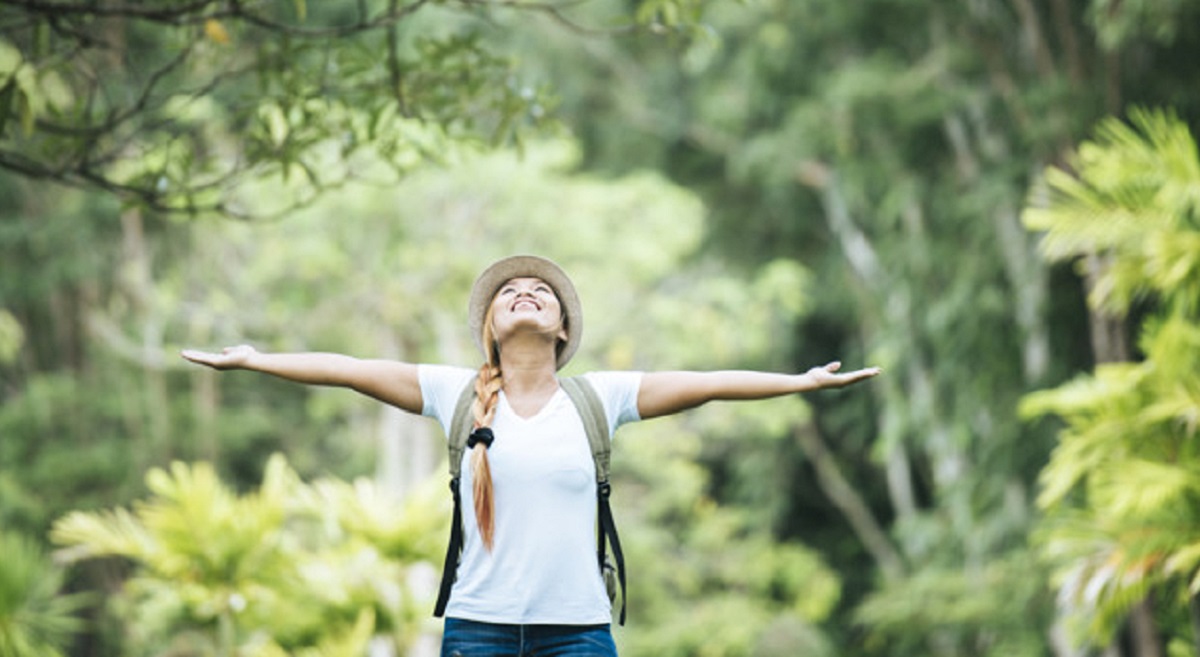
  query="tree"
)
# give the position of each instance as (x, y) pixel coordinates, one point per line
(888, 146)
(398, 261)
(173, 106)
(1122, 487)
(291, 568)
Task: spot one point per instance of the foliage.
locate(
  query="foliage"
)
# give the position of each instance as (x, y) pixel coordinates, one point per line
(292, 568)
(858, 168)
(1117, 23)
(36, 618)
(174, 106)
(888, 146)
(400, 260)
(948, 607)
(622, 240)
(1122, 487)
(707, 578)
(1133, 195)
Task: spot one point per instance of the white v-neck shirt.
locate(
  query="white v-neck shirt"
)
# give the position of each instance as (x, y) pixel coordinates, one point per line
(542, 569)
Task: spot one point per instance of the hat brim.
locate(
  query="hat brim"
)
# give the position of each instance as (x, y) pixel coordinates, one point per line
(527, 266)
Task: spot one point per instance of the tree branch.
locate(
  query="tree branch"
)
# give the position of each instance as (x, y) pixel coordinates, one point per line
(152, 11)
(117, 107)
(850, 503)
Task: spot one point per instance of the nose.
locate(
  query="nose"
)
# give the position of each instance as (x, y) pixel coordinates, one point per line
(526, 292)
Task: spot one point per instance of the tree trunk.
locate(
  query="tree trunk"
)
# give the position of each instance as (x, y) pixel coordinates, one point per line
(405, 446)
(1069, 40)
(1027, 276)
(1110, 341)
(1031, 27)
(1025, 272)
(137, 284)
(850, 503)
(1194, 616)
(1110, 345)
(1143, 631)
(390, 439)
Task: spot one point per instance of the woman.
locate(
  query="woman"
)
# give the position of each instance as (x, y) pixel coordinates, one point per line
(527, 582)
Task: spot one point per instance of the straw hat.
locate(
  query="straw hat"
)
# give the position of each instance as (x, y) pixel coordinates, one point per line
(527, 266)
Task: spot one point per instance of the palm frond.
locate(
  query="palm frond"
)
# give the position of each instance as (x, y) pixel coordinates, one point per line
(103, 533)
(1185, 561)
(36, 619)
(1137, 488)
(282, 570)
(407, 530)
(213, 535)
(1134, 191)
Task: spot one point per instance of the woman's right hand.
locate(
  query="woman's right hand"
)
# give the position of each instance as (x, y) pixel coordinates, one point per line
(229, 358)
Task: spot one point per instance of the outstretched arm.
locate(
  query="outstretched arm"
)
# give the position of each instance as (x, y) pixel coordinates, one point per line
(389, 381)
(664, 393)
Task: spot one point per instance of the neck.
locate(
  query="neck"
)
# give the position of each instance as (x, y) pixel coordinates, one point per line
(528, 367)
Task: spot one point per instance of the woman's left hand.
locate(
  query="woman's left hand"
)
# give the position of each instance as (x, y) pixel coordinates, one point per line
(828, 376)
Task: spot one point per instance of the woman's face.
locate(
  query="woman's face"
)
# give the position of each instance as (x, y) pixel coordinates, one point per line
(527, 304)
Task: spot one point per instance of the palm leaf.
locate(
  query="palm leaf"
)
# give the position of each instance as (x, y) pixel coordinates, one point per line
(103, 534)
(1122, 488)
(1133, 191)
(36, 620)
(1138, 488)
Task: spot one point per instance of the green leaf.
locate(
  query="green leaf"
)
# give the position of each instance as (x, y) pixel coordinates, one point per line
(36, 620)
(10, 61)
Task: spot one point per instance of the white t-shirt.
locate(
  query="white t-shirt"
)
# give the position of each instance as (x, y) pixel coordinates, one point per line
(542, 569)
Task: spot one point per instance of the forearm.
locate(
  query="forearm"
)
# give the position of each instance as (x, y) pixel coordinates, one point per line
(696, 388)
(746, 384)
(313, 368)
(663, 393)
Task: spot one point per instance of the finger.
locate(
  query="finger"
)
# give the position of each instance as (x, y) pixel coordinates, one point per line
(201, 357)
(834, 366)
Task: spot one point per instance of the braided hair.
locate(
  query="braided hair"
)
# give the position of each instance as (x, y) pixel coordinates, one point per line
(487, 396)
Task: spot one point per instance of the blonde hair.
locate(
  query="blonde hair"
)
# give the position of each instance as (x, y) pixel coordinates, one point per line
(487, 396)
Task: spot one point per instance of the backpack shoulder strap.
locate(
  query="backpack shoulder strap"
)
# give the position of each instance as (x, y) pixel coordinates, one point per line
(595, 422)
(456, 438)
(460, 425)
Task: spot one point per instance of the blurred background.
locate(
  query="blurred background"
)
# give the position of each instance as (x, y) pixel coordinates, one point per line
(997, 201)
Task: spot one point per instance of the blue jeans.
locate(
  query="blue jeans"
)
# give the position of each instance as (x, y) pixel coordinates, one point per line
(464, 638)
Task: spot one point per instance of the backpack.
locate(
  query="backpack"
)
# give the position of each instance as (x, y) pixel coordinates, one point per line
(590, 408)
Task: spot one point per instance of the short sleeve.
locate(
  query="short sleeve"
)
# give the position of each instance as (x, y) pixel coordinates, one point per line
(618, 392)
(441, 386)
